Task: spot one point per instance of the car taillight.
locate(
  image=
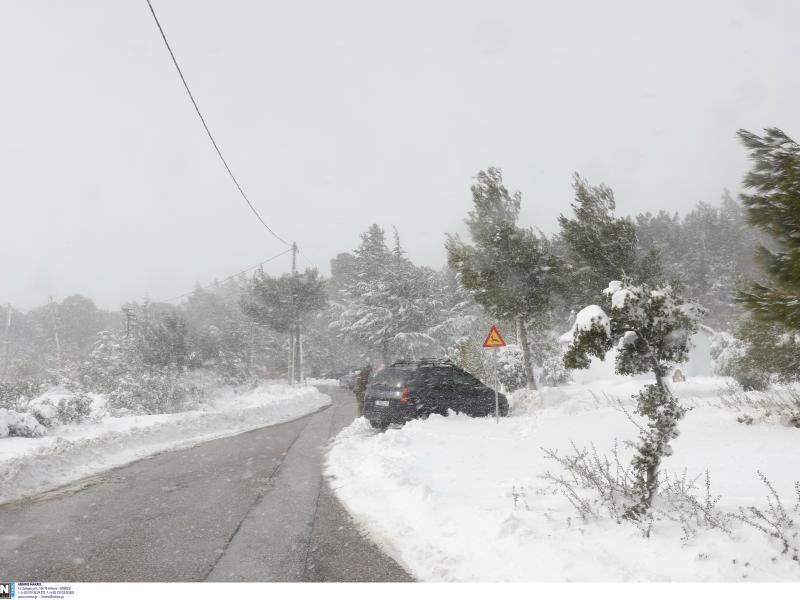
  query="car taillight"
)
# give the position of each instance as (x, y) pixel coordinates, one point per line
(404, 396)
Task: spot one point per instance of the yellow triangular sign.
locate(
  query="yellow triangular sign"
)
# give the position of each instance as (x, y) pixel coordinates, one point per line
(494, 339)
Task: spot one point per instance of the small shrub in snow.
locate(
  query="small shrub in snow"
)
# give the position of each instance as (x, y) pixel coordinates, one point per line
(679, 502)
(612, 482)
(520, 498)
(777, 404)
(774, 520)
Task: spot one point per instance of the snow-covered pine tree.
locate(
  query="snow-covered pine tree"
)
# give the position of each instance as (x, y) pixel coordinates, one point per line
(511, 272)
(387, 303)
(456, 316)
(650, 327)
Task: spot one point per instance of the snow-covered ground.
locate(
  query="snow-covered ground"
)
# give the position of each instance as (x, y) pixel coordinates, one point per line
(460, 499)
(69, 452)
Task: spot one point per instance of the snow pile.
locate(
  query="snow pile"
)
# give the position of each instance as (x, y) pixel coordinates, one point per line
(322, 381)
(460, 499)
(13, 423)
(69, 452)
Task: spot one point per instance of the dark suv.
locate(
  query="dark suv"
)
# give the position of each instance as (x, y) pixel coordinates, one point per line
(407, 390)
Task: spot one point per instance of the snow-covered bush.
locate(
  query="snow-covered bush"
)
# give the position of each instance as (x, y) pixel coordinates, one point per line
(117, 369)
(511, 367)
(15, 395)
(19, 424)
(61, 405)
(154, 391)
(523, 401)
(30, 411)
(553, 372)
(725, 351)
(728, 359)
(778, 404)
(651, 328)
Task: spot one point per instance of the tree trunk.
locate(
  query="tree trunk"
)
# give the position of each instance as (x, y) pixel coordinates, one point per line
(527, 360)
(652, 471)
(385, 354)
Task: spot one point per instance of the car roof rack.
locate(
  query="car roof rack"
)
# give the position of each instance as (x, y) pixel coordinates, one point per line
(427, 362)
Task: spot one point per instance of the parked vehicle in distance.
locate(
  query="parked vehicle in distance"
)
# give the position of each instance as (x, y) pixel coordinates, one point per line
(348, 380)
(413, 389)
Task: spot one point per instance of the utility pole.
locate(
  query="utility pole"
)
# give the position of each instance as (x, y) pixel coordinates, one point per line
(55, 334)
(129, 314)
(290, 370)
(7, 342)
(300, 352)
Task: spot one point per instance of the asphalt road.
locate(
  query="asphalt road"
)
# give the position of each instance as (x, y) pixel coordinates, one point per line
(252, 507)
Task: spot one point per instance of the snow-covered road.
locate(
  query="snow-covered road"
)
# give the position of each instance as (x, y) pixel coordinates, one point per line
(247, 507)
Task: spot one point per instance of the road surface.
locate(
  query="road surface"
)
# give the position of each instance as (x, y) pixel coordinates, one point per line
(252, 507)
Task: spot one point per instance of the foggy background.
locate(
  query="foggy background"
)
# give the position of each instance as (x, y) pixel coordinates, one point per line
(335, 115)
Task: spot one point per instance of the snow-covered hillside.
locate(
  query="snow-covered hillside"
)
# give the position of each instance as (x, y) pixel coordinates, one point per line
(460, 499)
(69, 452)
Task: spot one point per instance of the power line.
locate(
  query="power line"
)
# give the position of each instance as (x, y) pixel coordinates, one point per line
(311, 262)
(202, 287)
(208, 131)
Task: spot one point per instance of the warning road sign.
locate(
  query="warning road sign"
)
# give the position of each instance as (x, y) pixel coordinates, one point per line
(494, 339)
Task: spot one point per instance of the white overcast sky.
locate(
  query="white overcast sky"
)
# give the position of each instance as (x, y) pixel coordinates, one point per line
(338, 114)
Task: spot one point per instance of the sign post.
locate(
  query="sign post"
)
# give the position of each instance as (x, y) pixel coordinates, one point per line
(496, 341)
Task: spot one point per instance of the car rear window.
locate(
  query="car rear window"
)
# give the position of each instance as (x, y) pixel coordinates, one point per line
(393, 376)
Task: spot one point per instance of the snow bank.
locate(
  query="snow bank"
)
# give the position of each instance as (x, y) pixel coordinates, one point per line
(322, 381)
(460, 499)
(31, 465)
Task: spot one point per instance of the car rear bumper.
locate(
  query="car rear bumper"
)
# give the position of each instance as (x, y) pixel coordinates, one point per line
(393, 413)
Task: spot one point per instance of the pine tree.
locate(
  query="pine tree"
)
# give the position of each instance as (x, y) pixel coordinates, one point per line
(388, 304)
(600, 246)
(511, 272)
(281, 303)
(651, 330)
(774, 206)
